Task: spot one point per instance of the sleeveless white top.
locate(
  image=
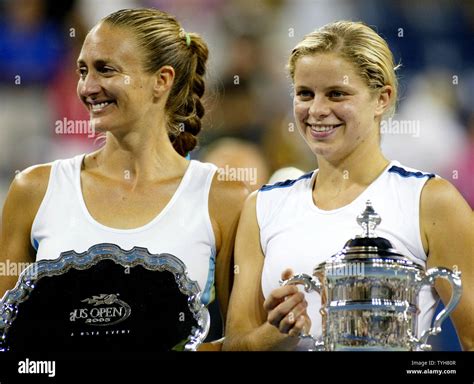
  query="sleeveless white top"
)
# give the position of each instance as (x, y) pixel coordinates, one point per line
(183, 228)
(296, 234)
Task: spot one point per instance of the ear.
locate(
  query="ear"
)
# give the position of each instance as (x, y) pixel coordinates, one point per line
(164, 79)
(384, 100)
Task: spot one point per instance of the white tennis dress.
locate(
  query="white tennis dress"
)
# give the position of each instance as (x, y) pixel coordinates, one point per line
(296, 234)
(183, 228)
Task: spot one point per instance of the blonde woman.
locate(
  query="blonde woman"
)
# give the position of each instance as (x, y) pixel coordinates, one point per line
(344, 82)
(141, 77)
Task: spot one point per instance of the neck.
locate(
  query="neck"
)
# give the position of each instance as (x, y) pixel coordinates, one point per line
(360, 168)
(138, 157)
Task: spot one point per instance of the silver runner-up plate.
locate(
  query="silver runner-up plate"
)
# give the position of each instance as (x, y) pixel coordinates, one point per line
(104, 300)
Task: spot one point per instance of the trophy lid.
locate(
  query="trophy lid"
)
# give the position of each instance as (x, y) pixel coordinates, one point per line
(368, 245)
(368, 221)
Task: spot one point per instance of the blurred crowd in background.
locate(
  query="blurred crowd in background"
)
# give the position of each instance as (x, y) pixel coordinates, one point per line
(249, 121)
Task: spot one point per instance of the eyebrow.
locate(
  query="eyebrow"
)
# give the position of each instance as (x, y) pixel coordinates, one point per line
(330, 88)
(100, 62)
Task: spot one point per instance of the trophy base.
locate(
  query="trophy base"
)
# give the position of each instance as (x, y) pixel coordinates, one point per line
(367, 348)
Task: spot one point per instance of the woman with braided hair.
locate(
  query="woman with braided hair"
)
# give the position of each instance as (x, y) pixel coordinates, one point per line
(141, 78)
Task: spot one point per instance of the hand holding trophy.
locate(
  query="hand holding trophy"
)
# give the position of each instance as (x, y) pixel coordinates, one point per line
(369, 294)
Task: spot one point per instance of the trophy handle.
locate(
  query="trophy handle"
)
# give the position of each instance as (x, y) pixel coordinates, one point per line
(309, 285)
(306, 280)
(454, 279)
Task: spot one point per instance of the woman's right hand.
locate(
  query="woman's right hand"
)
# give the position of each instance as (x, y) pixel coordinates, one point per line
(286, 309)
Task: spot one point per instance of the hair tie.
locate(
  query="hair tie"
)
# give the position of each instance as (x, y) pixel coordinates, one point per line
(188, 40)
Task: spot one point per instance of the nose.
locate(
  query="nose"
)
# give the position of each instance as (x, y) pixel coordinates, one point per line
(319, 107)
(88, 86)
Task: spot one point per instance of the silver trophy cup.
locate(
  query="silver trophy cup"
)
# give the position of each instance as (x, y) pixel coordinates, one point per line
(369, 295)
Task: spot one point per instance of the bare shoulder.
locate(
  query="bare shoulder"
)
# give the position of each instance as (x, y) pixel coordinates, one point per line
(440, 197)
(251, 203)
(19, 210)
(446, 218)
(33, 179)
(29, 186)
(228, 195)
(229, 189)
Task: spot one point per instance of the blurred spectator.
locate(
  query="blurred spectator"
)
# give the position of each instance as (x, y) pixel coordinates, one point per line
(31, 46)
(238, 160)
(283, 145)
(66, 107)
(425, 133)
(91, 11)
(236, 113)
(461, 170)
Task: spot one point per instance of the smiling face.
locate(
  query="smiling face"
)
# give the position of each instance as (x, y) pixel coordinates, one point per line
(112, 82)
(335, 110)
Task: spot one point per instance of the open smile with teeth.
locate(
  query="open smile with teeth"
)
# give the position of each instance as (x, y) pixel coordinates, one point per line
(323, 128)
(100, 106)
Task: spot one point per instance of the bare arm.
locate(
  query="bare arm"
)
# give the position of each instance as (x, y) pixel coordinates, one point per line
(225, 204)
(23, 200)
(250, 317)
(447, 223)
(226, 201)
